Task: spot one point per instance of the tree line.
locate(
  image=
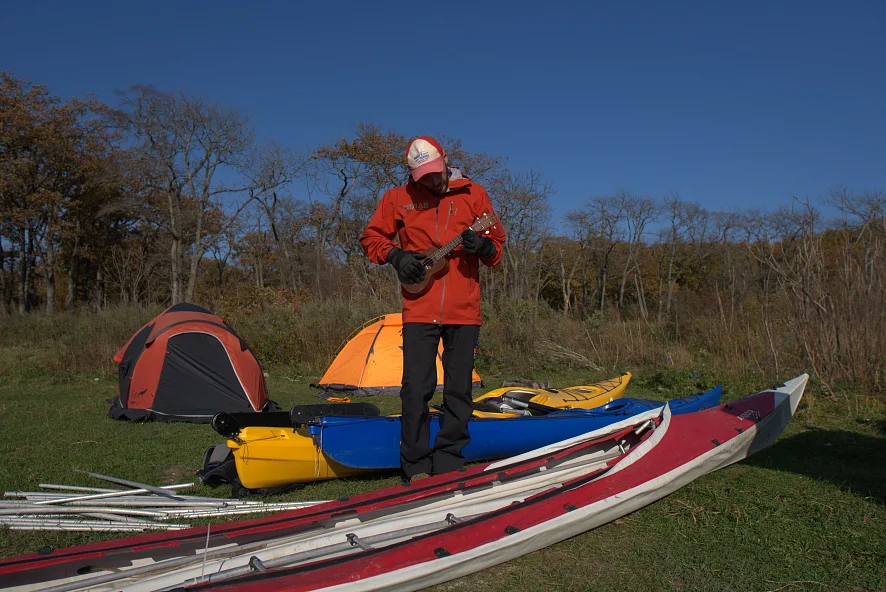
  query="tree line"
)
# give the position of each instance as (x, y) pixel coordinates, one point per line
(171, 197)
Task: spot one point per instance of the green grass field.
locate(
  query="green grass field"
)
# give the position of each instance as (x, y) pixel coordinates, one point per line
(809, 513)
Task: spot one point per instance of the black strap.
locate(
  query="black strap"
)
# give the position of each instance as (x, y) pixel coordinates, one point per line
(228, 424)
(302, 414)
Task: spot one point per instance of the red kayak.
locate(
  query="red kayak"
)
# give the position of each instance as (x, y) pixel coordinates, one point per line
(445, 527)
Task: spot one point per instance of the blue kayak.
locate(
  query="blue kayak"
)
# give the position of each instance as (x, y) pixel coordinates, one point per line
(374, 442)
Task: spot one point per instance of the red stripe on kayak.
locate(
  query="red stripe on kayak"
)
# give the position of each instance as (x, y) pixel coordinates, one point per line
(53, 561)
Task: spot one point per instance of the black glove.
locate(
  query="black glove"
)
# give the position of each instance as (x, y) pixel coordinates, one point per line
(408, 265)
(477, 245)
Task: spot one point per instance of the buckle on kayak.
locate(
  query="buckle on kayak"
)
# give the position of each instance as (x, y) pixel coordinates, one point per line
(255, 564)
(356, 542)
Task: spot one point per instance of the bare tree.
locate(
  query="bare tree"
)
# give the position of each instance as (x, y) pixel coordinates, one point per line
(334, 175)
(681, 242)
(725, 237)
(272, 169)
(599, 222)
(347, 180)
(195, 151)
(637, 213)
(521, 202)
(254, 248)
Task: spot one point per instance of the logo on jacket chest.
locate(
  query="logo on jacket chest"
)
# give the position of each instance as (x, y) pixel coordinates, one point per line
(416, 206)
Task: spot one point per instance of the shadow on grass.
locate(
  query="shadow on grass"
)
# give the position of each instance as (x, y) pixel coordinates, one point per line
(852, 461)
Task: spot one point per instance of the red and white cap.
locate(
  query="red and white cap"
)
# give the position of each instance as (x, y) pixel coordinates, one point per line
(425, 155)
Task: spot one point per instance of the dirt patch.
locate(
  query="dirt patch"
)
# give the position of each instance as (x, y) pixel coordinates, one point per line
(177, 474)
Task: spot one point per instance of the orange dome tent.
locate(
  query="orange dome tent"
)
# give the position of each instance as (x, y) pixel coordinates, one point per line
(371, 360)
(187, 365)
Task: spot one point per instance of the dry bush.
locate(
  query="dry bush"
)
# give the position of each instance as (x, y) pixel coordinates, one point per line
(518, 339)
(84, 342)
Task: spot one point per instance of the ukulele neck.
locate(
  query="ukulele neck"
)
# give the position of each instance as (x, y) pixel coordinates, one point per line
(478, 226)
(446, 249)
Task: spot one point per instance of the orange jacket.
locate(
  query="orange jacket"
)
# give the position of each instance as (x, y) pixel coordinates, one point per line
(423, 221)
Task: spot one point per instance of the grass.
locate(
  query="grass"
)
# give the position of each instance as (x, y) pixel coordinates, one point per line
(808, 513)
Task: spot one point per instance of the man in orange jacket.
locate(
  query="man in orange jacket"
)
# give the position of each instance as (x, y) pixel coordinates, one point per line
(429, 211)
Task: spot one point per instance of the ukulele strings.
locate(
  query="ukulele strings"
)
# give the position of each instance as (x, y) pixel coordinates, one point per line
(443, 251)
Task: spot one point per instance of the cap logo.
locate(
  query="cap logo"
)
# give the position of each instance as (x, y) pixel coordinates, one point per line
(424, 156)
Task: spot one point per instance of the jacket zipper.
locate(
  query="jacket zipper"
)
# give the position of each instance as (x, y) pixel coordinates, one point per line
(443, 295)
(439, 243)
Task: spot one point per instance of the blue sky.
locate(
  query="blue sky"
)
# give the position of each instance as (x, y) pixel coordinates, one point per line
(731, 105)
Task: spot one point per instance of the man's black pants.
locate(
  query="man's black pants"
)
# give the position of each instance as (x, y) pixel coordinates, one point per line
(420, 343)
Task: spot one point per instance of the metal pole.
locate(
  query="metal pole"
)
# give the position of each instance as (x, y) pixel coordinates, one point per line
(40, 510)
(120, 493)
(134, 495)
(225, 512)
(88, 527)
(76, 488)
(134, 484)
(149, 503)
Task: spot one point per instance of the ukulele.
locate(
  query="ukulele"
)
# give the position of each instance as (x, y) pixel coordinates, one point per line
(435, 262)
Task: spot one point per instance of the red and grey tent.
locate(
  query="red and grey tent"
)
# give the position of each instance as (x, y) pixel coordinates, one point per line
(187, 365)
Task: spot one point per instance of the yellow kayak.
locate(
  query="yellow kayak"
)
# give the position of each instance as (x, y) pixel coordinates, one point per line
(274, 457)
(589, 396)
(268, 457)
